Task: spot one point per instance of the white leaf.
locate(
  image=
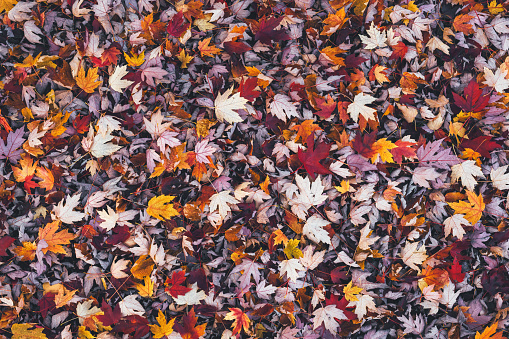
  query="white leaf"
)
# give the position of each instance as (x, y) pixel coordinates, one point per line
(454, 224)
(311, 260)
(265, 291)
(308, 195)
(290, 267)
(362, 304)
(77, 11)
(436, 43)
(422, 175)
(376, 38)
(130, 306)
(500, 178)
(249, 269)
(32, 32)
(500, 24)
(192, 297)
(118, 267)
(358, 106)
(327, 316)
(102, 147)
(467, 170)
(282, 107)
(65, 213)
(366, 240)
(313, 229)
(449, 296)
(497, 80)
(85, 310)
(155, 126)
(413, 256)
(108, 123)
(168, 138)
(21, 11)
(110, 218)
(203, 150)
(102, 8)
(225, 106)
(116, 82)
(220, 201)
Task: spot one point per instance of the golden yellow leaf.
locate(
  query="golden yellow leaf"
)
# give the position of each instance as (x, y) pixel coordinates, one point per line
(334, 22)
(382, 147)
(63, 297)
(472, 209)
(203, 127)
(164, 328)
(280, 237)
(206, 49)
(292, 249)
(184, 58)
(160, 207)
(380, 74)
(23, 331)
(332, 52)
(490, 333)
(53, 239)
(26, 251)
(493, 7)
(7, 5)
(147, 288)
(89, 82)
(27, 168)
(135, 60)
(351, 291)
(143, 267)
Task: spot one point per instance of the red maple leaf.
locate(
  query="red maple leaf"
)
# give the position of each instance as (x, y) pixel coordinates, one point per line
(362, 144)
(176, 289)
(482, 145)
(267, 32)
(133, 323)
(176, 26)
(326, 106)
(399, 50)
(474, 101)
(310, 159)
(188, 329)
(29, 184)
(238, 47)
(5, 242)
(110, 316)
(405, 148)
(455, 272)
(247, 89)
(81, 124)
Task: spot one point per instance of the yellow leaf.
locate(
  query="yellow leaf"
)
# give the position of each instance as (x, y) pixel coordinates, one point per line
(29, 61)
(206, 49)
(343, 187)
(47, 178)
(204, 24)
(382, 147)
(160, 208)
(184, 58)
(7, 5)
(89, 82)
(292, 249)
(135, 60)
(380, 75)
(27, 114)
(26, 251)
(63, 297)
(143, 267)
(203, 127)
(350, 292)
(53, 239)
(22, 331)
(280, 237)
(147, 288)
(240, 320)
(489, 332)
(253, 71)
(493, 7)
(164, 328)
(84, 334)
(27, 168)
(472, 209)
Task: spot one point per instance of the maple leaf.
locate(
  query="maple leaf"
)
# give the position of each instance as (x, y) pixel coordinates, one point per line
(226, 103)
(375, 38)
(220, 202)
(327, 316)
(176, 289)
(475, 100)
(101, 145)
(48, 180)
(184, 58)
(358, 106)
(193, 297)
(432, 155)
(116, 82)
(490, 332)
(7, 5)
(334, 21)
(382, 147)
(455, 271)
(403, 149)
(461, 24)
(176, 26)
(351, 291)
(26, 251)
(53, 239)
(311, 158)
(483, 145)
(248, 269)
(472, 209)
(292, 249)
(147, 288)
(206, 49)
(290, 268)
(189, 330)
(455, 225)
(160, 207)
(305, 129)
(14, 141)
(498, 80)
(267, 33)
(63, 297)
(500, 178)
(27, 169)
(65, 213)
(313, 229)
(164, 328)
(466, 170)
(240, 320)
(89, 82)
(282, 107)
(311, 259)
(326, 106)
(24, 331)
(412, 256)
(143, 267)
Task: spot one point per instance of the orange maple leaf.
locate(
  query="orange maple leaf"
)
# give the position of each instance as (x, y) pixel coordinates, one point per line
(47, 178)
(206, 49)
(27, 168)
(461, 24)
(89, 82)
(472, 209)
(490, 333)
(305, 129)
(241, 320)
(53, 239)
